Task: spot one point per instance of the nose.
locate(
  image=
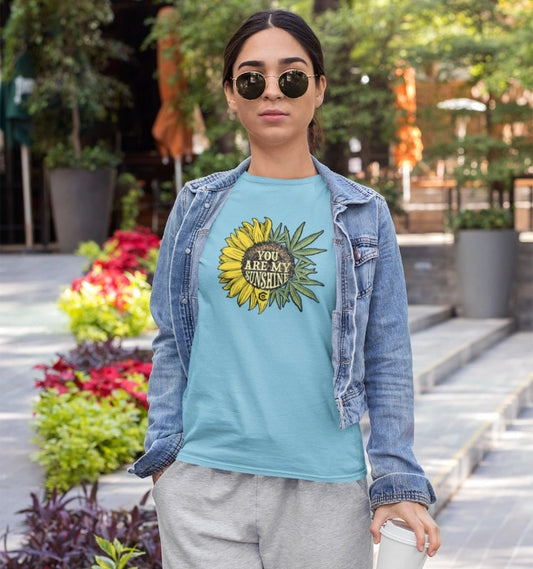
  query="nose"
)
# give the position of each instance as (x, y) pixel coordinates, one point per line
(272, 89)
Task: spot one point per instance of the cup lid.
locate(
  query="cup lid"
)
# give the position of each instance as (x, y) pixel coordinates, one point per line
(398, 530)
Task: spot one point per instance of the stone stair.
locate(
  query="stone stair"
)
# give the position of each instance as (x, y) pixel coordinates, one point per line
(472, 379)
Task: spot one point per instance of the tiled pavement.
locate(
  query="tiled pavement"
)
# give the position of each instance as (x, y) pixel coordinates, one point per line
(32, 331)
(488, 524)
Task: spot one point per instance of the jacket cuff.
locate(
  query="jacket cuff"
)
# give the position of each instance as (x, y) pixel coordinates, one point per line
(401, 487)
(161, 454)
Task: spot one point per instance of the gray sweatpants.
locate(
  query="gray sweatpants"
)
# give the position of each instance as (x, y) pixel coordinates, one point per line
(215, 519)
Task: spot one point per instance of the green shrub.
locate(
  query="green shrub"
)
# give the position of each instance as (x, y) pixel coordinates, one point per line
(107, 304)
(488, 218)
(91, 157)
(81, 437)
(118, 555)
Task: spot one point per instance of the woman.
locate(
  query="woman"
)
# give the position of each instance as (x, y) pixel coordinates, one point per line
(282, 314)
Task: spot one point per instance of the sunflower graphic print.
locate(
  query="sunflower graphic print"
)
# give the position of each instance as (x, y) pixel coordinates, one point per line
(262, 266)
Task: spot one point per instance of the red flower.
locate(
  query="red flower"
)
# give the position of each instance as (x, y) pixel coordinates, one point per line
(57, 376)
(102, 382)
(125, 250)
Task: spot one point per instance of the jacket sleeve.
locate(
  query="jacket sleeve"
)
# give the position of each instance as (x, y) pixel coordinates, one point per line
(164, 436)
(396, 474)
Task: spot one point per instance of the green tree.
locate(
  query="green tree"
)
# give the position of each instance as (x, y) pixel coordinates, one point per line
(71, 57)
(487, 45)
(364, 43)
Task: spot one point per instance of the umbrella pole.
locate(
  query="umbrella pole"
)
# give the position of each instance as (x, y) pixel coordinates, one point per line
(406, 182)
(26, 193)
(178, 173)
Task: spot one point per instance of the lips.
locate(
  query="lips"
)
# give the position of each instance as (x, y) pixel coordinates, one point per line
(273, 113)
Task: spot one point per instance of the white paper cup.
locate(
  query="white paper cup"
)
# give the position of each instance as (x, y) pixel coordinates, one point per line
(397, 549)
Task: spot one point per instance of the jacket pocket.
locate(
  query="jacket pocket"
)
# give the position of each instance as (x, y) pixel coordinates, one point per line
(365, 254)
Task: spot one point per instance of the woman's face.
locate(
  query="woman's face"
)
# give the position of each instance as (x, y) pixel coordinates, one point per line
(273, 119)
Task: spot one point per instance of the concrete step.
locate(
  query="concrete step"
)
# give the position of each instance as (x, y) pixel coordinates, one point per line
(443, 348)
(422, 316)
(460, 420)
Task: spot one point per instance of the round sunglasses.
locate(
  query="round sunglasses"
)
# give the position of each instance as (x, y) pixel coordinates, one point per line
(292, 83)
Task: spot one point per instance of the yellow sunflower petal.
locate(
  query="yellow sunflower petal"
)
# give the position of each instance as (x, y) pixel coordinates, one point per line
(267, 228)
(257, 233)
(236, 286)
(245, 293)
(233, 241)
(245, 241)
(229, 265)
(232, 253)
(230, 275)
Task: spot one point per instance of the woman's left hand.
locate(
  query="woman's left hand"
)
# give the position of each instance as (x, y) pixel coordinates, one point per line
(416, 516)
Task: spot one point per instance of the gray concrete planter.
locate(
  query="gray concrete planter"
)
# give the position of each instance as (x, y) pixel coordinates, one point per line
(82, 201)
(486, 261)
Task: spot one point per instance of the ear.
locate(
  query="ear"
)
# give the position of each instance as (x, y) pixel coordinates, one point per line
(230, 96)
(320, 91)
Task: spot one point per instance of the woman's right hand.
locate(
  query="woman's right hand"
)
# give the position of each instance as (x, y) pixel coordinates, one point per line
(157, 475)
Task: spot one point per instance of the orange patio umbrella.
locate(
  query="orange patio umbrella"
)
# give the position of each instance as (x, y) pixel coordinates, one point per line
(408, 150)
(174, 138)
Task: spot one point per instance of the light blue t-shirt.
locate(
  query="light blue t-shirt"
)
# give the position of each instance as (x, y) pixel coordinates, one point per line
(259, 397)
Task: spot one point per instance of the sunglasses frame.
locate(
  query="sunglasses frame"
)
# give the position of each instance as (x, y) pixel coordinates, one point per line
(278, 77)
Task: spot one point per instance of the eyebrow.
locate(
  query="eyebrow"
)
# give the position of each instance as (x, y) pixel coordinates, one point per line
(284, 61)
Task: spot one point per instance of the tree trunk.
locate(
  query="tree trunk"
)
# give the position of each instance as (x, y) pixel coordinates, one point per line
(75, 134)
(335, 157)
(320, 6)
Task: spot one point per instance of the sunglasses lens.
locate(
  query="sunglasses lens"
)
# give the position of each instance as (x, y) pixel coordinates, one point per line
(293, 83)
(250, 85)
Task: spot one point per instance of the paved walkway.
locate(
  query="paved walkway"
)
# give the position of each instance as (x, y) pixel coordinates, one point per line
(32, 331)
(489, 523)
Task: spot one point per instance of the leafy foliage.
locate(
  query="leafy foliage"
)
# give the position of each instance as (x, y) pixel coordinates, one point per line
(132, 192)
(482, 44)
(87, 355)
(489, 218)
(113, 298)
(61, 532)
(118, 554)
(91, 157)
(359, 99)
(126, 251)
(82, 436)
(71, 54)
(130, 376)
(91, 413)
(107, 304)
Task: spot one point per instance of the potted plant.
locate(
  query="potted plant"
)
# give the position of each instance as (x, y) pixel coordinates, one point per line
(72, 95)
(486, 251)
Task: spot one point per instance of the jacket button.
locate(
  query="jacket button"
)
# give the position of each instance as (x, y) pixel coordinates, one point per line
(184, 301)
(207, 205)
(188, 251)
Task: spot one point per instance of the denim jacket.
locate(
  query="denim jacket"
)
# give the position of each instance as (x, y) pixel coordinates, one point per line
(371, 359)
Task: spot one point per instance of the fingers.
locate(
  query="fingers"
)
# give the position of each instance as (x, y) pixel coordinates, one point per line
(380, 517)
(418, 519)
(432, 529)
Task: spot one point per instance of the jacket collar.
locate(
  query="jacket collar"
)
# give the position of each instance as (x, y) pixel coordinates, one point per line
(343, 191)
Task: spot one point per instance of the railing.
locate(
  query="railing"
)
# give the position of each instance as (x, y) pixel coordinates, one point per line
(432, 198)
